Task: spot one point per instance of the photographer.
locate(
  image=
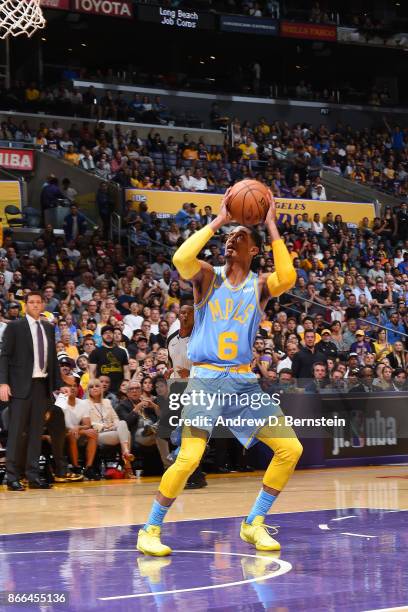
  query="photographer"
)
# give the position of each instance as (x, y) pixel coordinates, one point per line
(140, 417)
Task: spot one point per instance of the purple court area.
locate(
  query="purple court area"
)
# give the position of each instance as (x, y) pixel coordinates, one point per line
(348, 560)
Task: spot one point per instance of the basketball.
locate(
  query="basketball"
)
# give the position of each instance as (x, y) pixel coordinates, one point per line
(248, 202)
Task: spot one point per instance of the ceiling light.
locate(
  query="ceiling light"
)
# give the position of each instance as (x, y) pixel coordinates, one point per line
(83, 44)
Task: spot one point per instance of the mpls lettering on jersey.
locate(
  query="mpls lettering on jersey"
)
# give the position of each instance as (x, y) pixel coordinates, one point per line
(109, 8)
(226, 311)
(226, 322)
(178, 18)
(365, 431)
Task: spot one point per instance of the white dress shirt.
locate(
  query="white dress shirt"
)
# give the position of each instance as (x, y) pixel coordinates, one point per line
(73, 415)
(37, 371)
(283, 364)
(133, 321)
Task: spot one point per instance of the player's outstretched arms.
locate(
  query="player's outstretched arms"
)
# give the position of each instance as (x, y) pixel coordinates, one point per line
(199, 272)
(284, 277)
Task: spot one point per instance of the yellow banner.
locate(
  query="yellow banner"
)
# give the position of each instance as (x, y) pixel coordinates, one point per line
(170, 202)
(10, 193)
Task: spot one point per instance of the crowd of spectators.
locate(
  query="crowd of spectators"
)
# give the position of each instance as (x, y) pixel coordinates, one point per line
(289, 159)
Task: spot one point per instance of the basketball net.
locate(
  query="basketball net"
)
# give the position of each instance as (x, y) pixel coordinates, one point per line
(20, 17)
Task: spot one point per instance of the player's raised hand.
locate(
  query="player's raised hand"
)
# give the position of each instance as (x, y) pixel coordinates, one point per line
(271, 214)
(224, 216)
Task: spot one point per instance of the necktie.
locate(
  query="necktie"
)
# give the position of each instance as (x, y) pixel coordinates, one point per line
(40, 342)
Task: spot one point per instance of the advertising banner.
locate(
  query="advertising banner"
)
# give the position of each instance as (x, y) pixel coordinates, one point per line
(372, 426)
(170, 202)
(250, 25)
(311, 31)
(17, 159)
(182, 19)
(107, 8)
(62, 5)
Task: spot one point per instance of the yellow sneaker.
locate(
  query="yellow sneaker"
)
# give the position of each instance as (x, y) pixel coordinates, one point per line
(257, 534)
(151, 568)
(148, 542)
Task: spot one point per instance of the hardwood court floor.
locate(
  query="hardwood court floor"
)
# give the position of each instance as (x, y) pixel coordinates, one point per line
(108, 503)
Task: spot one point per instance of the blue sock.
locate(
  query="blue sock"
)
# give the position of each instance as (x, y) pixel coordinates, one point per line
(261, 506)
(157, 514)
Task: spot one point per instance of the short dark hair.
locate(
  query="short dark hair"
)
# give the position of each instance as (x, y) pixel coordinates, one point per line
(33, 293)
(256, 237)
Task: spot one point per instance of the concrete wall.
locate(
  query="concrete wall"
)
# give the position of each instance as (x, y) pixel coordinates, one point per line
(34, 121)
(86, 184)
(251, 108)
(339, 188)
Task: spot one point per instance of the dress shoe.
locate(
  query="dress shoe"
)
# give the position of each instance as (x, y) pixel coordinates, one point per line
(15, 485)
(196, 484)
(223, 469)
(39, 484)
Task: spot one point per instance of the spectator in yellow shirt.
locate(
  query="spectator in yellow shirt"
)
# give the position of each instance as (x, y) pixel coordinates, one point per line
(32, 94)
(71, 157)
(40, 139)
(307, 264)
(70, 349)
(263, 127)
(248, 149)
(214, 155)
(293, 254)
(190, 153)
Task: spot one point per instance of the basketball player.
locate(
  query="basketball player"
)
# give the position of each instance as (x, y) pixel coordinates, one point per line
(229, 302)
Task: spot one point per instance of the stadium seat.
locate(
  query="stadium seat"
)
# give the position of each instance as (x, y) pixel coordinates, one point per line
(14, 216)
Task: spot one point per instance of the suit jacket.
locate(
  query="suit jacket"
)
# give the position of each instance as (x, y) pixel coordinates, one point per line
(17, 359)
(69, 223)
(205, 221)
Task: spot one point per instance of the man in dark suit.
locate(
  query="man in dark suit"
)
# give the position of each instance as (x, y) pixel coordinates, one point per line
(74, 224)
(29, 373)
(208, 216)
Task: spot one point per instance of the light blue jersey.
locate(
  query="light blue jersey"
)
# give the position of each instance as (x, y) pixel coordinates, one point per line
(226, 322)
